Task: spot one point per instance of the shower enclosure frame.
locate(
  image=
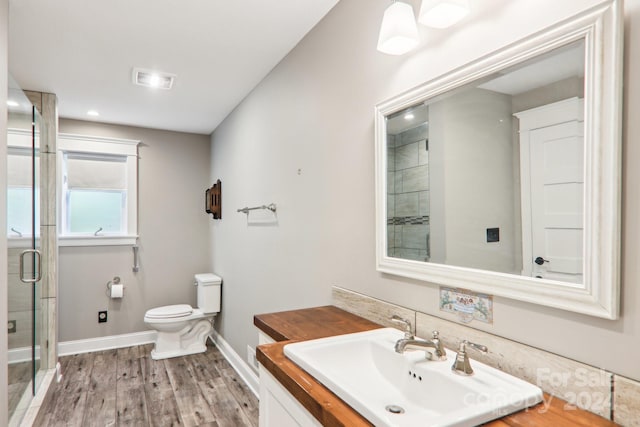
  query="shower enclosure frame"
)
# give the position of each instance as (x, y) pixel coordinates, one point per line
(45, 298)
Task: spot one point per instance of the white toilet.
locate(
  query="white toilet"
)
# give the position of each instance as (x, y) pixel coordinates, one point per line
(183, 330)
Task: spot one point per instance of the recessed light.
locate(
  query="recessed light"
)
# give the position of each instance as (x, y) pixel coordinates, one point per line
(409, 116)
(12, 103)
(93, 113)
(153, 79)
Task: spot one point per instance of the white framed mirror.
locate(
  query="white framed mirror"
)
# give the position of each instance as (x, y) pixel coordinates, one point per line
(503, 176)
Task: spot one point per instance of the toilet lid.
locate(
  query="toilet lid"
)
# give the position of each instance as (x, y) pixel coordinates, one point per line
(168, 311)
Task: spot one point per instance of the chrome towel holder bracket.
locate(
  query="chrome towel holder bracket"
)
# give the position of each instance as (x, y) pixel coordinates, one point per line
(271, 207)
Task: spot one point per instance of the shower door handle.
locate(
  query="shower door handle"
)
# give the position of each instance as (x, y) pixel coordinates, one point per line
(38, 256)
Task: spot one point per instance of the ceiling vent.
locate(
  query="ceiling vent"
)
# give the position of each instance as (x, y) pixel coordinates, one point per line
(153, 79)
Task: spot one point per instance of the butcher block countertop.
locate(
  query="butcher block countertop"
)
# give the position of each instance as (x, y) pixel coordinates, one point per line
(319, 322)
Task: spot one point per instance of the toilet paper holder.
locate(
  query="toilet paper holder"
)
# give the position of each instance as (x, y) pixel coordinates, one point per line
(114, 281)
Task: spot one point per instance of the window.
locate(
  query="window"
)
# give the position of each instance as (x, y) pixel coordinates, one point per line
(97, 190)
(20, 194)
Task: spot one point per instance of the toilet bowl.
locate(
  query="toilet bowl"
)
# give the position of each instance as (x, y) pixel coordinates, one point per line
(182, 329)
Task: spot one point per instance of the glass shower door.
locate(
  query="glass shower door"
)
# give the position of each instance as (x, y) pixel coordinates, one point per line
(24, 258)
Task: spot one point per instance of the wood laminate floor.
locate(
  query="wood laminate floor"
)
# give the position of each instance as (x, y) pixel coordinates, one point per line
(126, 387)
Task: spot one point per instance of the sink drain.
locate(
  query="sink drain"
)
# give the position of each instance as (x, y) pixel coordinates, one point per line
(394, 409)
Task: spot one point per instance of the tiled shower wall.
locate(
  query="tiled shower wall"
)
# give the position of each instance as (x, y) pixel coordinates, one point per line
(408, 194)
(20, 310)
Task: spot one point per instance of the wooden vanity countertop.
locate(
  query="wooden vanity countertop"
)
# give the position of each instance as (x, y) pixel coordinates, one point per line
(319, 322)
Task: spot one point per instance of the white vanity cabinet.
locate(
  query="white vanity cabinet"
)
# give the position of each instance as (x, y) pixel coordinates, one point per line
(264, 338)
(278, 408)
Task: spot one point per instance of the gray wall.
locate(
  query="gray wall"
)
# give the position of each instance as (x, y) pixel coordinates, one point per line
(471, 147)
(173, 173)
(315, 112)
(554, 92)
(4, 24)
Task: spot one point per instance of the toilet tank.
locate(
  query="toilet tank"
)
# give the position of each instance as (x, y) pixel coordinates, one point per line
(209, 292)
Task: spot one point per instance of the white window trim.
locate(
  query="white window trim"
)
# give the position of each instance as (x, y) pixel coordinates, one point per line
(68, 143)
(21, 138)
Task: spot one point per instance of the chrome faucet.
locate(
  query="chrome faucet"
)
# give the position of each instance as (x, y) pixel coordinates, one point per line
(408, 335)
(439, 353)
(461, 365)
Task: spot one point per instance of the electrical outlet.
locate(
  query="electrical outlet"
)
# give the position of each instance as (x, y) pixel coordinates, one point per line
(102, 316)
(493, 235)
(251, 357)
(11, 325)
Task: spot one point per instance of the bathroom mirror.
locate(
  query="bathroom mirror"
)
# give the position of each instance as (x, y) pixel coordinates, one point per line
(503, 176)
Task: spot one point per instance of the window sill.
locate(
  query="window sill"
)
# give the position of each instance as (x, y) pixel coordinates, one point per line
(97, 240)
(21, 242)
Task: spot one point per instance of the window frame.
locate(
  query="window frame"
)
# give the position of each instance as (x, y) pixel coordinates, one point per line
(98, 146)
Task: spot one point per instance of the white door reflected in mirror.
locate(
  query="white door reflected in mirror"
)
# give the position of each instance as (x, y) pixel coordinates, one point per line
(552, 189)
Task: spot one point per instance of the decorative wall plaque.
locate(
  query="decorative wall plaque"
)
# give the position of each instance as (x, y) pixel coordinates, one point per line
(213, 200)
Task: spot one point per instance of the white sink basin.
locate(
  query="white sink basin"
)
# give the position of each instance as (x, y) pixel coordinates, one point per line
(364, 370)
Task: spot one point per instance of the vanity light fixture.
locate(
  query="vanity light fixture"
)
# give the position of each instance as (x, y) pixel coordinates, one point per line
(442, 13)
(11, 103)
(153, 79)
(398, 32)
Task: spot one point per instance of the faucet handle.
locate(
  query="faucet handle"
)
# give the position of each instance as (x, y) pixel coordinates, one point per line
(481, 348)
(461, 365)
(407, 326)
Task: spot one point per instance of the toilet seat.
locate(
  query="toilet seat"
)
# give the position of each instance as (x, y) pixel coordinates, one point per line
(169, 312)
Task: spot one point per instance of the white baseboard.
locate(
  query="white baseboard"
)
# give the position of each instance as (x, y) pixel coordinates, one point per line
(241, 367)
(105, 343)
(66, 348)
(22, 354)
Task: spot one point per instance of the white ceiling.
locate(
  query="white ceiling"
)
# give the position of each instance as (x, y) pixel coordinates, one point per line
(540, 71)
(84, 52)
(399, 122)
(557, 65)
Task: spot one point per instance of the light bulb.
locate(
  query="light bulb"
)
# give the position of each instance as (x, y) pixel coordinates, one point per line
(398, 32)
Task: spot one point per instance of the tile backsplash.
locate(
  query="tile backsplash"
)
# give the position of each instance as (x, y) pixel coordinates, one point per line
(611, 396)
(626, 398)
(372, 309)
